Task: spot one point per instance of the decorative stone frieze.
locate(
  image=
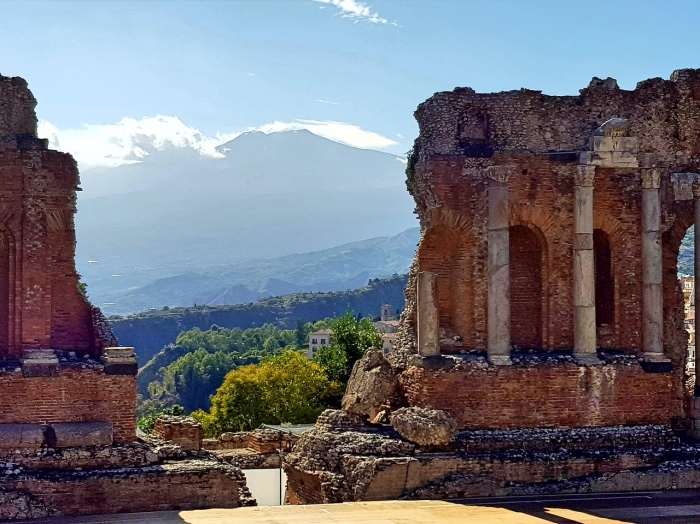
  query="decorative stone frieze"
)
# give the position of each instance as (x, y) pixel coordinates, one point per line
(683, 185)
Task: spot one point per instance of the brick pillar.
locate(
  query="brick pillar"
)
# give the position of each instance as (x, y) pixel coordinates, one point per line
(584, 269)
(428, 319)
(652, 260)
(498, 328)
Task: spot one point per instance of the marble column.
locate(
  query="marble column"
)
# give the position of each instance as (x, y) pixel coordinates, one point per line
(652, 263)
(498, 338)
(696, 201)
(428, 320)
(584, 269)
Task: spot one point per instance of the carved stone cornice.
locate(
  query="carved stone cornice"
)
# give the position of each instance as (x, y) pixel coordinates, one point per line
(584, 176)
(651, 178)
(500, 174)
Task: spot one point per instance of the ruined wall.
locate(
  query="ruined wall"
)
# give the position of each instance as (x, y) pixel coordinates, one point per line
(40, 305)
(168, 487)
(76, 395)
(544, 396)
(17, 105)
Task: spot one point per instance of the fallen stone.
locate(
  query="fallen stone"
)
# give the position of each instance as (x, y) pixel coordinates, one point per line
(425, 427)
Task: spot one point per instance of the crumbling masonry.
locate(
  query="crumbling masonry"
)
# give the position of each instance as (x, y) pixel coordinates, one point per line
(544, 316)
(67, 393)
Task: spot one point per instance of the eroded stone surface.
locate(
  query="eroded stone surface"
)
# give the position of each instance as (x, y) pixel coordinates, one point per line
(425, 427)
(372, 384)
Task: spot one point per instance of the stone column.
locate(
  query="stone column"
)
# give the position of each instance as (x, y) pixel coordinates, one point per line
(428, 320)
(584, 269)
(498, 338)
(652, 262)
(696, 201)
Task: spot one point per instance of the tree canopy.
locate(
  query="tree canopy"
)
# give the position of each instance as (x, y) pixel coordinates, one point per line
(287, 388)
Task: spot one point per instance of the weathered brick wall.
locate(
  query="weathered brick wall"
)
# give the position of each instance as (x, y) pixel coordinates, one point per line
(17, 105)
(463, 132)
(169, 487)
(183, 431)
(40, 305)
(561, 395)
(75, 395)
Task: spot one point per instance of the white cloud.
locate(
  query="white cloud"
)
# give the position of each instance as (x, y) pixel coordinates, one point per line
(322, 101)
(356, 11)
(342, 132)
(130, 140)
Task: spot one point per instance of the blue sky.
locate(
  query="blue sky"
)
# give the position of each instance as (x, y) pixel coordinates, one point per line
(350, 69)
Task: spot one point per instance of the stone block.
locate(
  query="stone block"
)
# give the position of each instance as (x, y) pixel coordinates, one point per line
(80, 434)
(22, 436)
(40, 363)
(120, 361)
(627, 144)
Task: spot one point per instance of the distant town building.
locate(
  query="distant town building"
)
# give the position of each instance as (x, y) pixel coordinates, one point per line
(688, 287)
(386, 312)
(318, 339)
(387, 326)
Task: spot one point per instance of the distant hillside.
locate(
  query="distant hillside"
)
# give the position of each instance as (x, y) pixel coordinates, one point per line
(149, 332)
(340, 268)
(190, 219)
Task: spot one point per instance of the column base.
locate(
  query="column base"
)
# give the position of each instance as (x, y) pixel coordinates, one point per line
(655, 357)
(500, 360)
(587, 359)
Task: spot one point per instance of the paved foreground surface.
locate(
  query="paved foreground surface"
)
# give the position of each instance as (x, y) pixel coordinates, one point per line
(636, 508)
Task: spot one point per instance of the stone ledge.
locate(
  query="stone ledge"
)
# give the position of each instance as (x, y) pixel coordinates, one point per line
(79, 434)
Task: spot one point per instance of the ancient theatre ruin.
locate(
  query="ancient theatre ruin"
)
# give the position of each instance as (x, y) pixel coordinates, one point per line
(542, 345)
(68, 417)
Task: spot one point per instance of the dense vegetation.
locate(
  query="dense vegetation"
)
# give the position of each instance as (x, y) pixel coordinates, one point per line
(149, 332)
(189, 371)
(285, 388)
(260, 375)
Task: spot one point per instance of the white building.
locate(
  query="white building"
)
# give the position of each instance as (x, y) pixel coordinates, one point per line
(318, 339)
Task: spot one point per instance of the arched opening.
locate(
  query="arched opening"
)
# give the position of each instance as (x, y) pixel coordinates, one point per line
(4, 296)
(685, 271)
(526, 250)
(604, 280)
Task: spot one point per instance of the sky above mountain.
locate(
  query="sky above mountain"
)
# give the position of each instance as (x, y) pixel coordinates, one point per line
(119, 80)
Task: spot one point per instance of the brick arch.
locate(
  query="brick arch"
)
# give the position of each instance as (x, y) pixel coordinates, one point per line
(451, 219)
(8, 311)
(529, 287)
(446, 249)
(542, 220)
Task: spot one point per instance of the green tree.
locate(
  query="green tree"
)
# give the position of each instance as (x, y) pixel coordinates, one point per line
(283, 388)
(353, 337)
(334, 362)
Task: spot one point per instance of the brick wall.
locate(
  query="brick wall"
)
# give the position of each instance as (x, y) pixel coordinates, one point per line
(561, 395)
(76, 395)
(171, 487)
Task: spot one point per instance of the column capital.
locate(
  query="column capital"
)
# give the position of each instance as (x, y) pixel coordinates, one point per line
(696, 188)
(584, 176)
(500, 173)
(651, 178)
